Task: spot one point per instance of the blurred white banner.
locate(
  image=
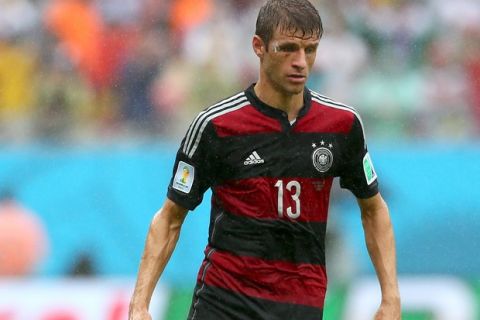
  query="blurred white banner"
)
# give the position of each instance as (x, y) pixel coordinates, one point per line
(444, 297)
(72, 299)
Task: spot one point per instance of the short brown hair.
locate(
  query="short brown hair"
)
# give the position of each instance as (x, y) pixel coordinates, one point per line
(290, 16)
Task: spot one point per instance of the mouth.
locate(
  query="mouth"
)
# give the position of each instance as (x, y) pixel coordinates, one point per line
(297, 78)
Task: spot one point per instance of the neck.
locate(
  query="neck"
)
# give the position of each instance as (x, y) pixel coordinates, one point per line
(291, 103)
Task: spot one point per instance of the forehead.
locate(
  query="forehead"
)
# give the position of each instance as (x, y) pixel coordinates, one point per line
(281, 35)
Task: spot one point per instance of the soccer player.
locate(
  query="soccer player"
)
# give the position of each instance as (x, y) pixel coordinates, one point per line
(269, 154)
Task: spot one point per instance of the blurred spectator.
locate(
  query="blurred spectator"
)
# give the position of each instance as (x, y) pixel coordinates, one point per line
(445, 110)
(18, 20)
(16, 85)
(23, 239)
(395, 30)
(449, 12)
(388, 103)
(136, 83)
(155, 14)
(17, 17)
(341, 58)
(64, 102)
(79, 28)
(187, 14)
(472, 69)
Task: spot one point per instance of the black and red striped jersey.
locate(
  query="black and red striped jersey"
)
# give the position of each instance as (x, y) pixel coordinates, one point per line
(270, 181)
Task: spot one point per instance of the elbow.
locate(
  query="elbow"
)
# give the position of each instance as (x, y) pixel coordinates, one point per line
(375, 213)
(166, 220)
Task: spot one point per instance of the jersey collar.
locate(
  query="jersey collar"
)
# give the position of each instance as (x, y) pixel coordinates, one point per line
(275, 112)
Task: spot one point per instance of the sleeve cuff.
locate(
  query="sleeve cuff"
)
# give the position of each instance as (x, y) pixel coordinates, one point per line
(181, 200)
(365, 194)
(362, 191)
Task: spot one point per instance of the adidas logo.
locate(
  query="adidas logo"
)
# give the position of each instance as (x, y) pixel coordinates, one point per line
(254, 158)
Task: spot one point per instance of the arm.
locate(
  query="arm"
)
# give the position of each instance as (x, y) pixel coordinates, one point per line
(381, 247)
(161, 240)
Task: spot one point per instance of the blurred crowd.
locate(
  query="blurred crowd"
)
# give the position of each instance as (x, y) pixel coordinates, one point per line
(74, 71)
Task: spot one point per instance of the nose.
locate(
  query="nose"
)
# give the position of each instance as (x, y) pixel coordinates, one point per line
(300, 59)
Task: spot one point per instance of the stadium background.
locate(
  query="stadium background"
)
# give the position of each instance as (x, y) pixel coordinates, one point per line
(96, 95)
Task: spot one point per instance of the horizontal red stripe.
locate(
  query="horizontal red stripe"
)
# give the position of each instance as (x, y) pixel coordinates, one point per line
(258, 198)
(325, 119)
(245, 121)
(277, 281)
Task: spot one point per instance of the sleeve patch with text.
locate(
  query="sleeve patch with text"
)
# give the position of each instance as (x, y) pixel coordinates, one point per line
(184, 177)
(370, 174)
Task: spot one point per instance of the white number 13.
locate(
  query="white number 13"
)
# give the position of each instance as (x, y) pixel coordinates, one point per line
(295, 196)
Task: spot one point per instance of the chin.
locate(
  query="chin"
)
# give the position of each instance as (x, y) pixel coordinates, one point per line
(297, 89)
(289, 88)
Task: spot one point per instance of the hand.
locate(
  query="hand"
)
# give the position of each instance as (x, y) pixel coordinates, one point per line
(138, 314)
(389, 311)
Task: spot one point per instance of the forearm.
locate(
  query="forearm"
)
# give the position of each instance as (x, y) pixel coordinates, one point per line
(381, 247)
(160, 243)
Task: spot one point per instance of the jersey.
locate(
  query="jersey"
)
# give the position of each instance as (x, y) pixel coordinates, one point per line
(270, 182)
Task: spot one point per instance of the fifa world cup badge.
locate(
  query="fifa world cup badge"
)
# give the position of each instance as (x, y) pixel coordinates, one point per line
(370, 174)
(184, 176)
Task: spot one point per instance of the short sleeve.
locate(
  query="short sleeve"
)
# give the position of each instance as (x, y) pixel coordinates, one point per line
(358, 174)
(192, 172)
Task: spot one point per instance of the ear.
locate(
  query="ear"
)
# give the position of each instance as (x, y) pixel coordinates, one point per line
(258, 46)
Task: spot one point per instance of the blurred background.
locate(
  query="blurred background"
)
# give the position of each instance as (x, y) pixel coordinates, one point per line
(95, 96)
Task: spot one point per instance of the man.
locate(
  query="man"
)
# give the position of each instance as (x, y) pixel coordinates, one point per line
(269, 154)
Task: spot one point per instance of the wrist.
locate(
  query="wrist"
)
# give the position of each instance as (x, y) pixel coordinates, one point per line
(391, 298)
(136, 305)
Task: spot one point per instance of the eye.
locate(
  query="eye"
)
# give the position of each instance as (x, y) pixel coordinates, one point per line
(310, 49)
(288, 47)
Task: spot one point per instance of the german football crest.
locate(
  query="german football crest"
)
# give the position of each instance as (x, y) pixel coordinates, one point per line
(322, 159)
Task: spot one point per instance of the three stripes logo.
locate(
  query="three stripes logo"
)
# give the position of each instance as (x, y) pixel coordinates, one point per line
(253, 158)
(325, 101)
(196, 129)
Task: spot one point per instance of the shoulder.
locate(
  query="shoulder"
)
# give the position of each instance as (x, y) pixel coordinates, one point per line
(236, 116)
(334, 110)
(202, 122)
(223, 107)
(329, 105)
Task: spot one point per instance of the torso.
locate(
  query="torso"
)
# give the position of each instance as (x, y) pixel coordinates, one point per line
(270, 206)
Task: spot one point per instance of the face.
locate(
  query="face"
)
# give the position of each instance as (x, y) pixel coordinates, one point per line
(287, 63)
